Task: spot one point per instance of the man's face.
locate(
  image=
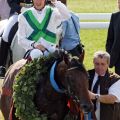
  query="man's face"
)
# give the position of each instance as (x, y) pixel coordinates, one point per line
(100, 65)
(39, 4)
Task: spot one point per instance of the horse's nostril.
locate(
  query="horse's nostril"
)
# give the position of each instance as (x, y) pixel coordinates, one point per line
(86, 107)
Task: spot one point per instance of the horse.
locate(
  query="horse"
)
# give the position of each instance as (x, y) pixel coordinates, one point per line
(65, 80)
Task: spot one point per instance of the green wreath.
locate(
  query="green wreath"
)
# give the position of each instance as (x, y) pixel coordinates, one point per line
(24, 90)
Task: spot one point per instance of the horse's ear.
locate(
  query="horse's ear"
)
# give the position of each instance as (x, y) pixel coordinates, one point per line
(61, 54)
(67, 57)
(58, 54)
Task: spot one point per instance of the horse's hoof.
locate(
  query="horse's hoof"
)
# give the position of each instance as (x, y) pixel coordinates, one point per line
(2, 71)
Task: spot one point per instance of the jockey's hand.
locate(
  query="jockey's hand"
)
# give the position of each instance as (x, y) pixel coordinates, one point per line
(40, 47)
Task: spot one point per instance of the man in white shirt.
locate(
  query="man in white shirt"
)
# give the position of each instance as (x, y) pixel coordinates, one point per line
(104, 88)
(39, 27)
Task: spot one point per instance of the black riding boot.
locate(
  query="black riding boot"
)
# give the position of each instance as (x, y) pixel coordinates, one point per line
(4, 47)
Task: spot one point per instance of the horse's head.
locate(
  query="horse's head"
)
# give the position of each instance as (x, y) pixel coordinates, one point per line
(74, 79)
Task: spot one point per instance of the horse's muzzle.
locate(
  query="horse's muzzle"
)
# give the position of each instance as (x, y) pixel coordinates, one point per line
(86, 108)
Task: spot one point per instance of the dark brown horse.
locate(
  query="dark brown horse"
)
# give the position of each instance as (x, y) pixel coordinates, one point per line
(71, 78)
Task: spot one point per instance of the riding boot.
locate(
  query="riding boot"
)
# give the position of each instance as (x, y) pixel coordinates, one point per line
(4, 47)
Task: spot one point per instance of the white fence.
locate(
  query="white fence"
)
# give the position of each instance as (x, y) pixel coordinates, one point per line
(95, 17)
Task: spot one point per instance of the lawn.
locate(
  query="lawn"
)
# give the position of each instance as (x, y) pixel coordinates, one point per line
(92, 39)
(90, 6)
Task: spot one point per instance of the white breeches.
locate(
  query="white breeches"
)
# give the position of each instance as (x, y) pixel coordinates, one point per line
(12, 20)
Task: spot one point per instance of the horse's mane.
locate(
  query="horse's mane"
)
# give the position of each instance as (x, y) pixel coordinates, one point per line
(47, 61)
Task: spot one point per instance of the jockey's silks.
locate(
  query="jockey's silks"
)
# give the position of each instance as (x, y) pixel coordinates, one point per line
(40, 29)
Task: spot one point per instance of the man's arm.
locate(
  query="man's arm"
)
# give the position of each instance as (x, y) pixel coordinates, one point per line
(107, 99)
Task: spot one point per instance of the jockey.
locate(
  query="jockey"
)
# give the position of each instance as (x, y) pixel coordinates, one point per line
(39, 27)
(16, 6)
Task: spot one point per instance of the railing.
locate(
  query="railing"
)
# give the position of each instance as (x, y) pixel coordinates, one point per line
(88, 20)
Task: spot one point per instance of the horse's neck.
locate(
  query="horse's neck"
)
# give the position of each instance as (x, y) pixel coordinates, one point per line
(48, 100)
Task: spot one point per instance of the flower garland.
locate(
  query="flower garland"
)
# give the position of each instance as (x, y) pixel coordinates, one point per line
(24, 89)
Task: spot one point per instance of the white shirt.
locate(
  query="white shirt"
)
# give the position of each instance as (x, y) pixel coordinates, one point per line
(113, 90)
(60, 13)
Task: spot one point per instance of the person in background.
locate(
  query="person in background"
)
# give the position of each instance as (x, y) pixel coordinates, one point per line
(39, 27)
(16, 6)
(4, 10)
(104, 88)
(113, 40)
(70, 40)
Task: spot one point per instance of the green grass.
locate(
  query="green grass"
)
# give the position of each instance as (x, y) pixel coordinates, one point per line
(93, 40)
(90, 6)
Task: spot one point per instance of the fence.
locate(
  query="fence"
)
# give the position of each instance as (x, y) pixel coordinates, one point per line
(103, 19)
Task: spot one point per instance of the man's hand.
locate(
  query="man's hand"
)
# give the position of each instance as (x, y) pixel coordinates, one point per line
(92, 95)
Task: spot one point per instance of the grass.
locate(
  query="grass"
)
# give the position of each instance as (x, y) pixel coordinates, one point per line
(93, 40)
(92, 6)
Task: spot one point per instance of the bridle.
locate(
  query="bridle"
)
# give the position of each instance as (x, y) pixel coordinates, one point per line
(67, 91)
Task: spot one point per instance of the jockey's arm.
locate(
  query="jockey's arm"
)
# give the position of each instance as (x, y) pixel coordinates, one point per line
(22, 38)
(65, 13)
